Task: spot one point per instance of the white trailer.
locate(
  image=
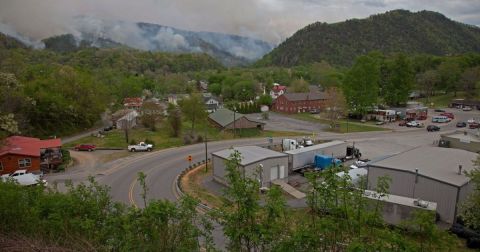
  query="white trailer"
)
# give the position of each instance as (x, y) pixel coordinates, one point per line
(304, 157)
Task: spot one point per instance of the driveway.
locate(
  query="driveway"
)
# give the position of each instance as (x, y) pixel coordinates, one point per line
(279, 122)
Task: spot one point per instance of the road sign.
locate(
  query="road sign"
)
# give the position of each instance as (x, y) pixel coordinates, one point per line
(189, 158)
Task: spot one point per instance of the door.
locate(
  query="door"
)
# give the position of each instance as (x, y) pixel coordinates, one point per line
(282, 172)
(273, 173)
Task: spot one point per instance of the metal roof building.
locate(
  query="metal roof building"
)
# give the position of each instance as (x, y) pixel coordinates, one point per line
(256, 162)
(226, 119)
(429, 173)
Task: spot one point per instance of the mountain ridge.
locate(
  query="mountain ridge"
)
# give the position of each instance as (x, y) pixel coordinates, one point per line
(391, 32)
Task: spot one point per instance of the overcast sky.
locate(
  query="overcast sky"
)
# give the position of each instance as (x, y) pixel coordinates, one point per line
(270, 20)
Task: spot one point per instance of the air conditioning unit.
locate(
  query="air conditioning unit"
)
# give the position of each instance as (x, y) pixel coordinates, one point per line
(420, 203)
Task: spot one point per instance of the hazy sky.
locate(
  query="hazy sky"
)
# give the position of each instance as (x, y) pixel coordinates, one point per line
(270, 20)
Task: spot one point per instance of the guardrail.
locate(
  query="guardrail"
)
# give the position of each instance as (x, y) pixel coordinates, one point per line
(178, 183)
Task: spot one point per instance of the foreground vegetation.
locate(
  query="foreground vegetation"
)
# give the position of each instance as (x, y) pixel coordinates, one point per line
(337, 218)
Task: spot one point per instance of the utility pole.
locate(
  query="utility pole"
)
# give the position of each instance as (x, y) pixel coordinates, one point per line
(234, 129)
(206, 152)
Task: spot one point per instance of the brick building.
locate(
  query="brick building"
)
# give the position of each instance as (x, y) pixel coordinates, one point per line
(226, 119)
(28, 153)
(299, 102)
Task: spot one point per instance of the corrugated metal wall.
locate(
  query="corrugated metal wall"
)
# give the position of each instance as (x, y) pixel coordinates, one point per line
(403, 184)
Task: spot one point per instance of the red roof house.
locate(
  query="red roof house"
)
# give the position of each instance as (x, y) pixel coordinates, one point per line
(133, 103)
(277, 90)
(20, 152)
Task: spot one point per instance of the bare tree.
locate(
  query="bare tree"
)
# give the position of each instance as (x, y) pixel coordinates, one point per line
(335, 105)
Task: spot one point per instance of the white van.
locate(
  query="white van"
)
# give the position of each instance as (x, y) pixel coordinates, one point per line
(440, 119)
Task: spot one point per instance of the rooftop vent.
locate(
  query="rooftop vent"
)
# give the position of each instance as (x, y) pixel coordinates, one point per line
(459, 169)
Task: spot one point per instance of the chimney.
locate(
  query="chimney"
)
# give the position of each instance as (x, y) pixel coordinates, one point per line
(459, 169)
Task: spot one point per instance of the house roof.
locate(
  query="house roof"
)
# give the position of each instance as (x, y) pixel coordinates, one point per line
(277, 88)
(133, 102)
(304, 96)
(27, 146)
(433, 162)
(224, 116)
(250, 154)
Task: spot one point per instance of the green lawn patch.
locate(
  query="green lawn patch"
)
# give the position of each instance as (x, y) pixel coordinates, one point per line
(162, 139)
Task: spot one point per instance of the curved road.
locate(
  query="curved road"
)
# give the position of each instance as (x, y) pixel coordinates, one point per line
(162, 167)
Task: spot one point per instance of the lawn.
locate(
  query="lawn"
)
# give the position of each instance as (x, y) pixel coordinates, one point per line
(344, 125)
(442, 101)
(162, 139)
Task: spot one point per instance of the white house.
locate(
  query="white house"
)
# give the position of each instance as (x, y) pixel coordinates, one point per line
(277, 90)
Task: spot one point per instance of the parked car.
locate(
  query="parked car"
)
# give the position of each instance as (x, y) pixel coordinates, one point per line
(431, 128)
(413, 124)
(422, 117)
(467, 108)
(474, 125)
(140, 147)
(315, 111)
(471, 120)
(379, 123)
(461, 124)
(448, 114)
(439, 110)
(85, 147)
(402, 123)
(108, 128)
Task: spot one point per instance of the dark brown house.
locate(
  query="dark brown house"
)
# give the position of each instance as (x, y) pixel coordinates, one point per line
(226, 119)
(299, 102)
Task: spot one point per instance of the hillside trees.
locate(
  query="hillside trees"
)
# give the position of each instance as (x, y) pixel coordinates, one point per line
(361, 84)
(470, 81)
(450, 72)
(299, 86)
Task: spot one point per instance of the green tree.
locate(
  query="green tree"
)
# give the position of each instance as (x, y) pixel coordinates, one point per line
(193, 109)
(450, 72)
(299, 86)
(361, 85)
(469, 208)
(265, 99)
(247, 225)
(151, 114)
(399, 80)
(470, 80)
(427, 82)
(174, 120)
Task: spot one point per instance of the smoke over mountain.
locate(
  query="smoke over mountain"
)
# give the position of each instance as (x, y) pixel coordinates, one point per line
(8, 30)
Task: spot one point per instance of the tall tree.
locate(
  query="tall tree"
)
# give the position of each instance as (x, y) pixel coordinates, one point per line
(174, 120)
(399, 80)
(193, 109)
(151, 114)
(450, 72)
(336, 106)
(299, 86)
(470, 80)
(470, 208)
(427, 82)
(361, 84)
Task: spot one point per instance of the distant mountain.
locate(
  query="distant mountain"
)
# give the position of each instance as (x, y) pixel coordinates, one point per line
(231, 50)
(7, 42)
(394, 31)
(68, 43)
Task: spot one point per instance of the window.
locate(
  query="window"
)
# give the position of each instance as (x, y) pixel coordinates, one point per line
(23, 163)
(1, 166)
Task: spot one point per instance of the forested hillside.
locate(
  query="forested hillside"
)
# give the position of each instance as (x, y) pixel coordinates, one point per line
(50, 93)
(392, 32)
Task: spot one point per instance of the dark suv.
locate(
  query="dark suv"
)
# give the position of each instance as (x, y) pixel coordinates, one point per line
(433, 128)
(85, 147)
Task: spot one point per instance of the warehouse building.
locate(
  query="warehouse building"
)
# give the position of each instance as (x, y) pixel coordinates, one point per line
(461, 140)
(428, 173)
(256, 162)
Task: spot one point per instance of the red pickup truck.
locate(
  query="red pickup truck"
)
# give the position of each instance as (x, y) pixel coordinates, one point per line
(85, 147)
